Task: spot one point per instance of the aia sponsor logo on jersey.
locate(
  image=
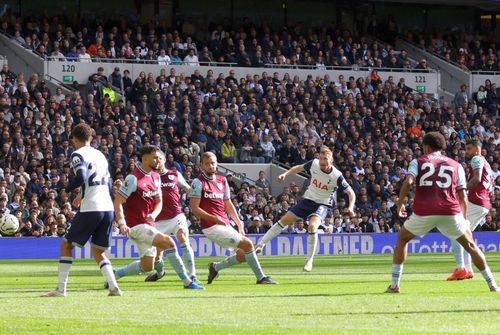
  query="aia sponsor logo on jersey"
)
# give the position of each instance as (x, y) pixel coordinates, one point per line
(319, 185)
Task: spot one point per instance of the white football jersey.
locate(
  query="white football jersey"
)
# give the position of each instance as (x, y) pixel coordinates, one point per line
(96, 195)
(323, 187)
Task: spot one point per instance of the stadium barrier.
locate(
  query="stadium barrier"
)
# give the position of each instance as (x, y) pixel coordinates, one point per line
(283, 245)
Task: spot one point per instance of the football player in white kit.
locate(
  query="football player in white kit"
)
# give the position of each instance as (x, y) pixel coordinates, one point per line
(319, 197)
(96, 214)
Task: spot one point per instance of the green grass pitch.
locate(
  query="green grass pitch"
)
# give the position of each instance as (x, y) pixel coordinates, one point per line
(343, 295)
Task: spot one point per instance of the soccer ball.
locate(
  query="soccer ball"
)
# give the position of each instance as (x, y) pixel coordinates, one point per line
(9, 224)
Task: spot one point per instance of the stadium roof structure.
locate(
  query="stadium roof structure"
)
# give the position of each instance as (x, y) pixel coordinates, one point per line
(487, 5)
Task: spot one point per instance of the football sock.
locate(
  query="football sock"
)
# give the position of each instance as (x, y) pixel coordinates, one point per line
(274, 231)
(228, 262)
(458, 252)
(188, 257)
(107, 272)
(176, 262)
(397, 271)
(467, 261)
(253, 262)
(312, 243)
(64, 267)
(132, 269)
(488, 276)
(159, 266)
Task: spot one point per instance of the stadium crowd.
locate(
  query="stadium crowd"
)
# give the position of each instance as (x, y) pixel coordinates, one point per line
(198, 42)
(374, 126)
(471, 52)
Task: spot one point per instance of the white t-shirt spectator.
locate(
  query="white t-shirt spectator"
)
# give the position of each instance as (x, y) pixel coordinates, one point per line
(191, 60)
(164, 60)
(85, 58)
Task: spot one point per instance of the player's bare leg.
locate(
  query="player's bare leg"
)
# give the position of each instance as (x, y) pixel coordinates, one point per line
(244, 253)
(478, 259)
(312, 241)
(275, 230)
(399, 257)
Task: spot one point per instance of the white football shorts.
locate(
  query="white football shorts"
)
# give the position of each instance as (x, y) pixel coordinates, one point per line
(143, 236)
(452, 226)
(171, 226)
(476, 215)
(225, 236)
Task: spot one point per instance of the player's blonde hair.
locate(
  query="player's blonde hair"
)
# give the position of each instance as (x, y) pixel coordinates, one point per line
(326, 150)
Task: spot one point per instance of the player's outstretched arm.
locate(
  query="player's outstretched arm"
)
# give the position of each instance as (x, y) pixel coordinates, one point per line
(476, 178)
(229, 207)
(352, 200)
(293, 171)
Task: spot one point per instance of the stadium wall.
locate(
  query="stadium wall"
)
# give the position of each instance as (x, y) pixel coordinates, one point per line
(71, 71)
(283, 245)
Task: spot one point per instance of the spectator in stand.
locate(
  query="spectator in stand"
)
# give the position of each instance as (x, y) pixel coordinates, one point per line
(84, 57)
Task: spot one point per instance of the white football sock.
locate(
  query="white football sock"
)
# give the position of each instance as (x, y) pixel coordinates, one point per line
(458, 252)
(312, 243)
(274, 231)
(397, 271)
(64, 267)
(107, 272)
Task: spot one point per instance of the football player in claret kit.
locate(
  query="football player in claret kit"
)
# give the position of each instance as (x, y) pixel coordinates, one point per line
(319, 197)
(210, 201)
(95, 216)
(440, 201)
(171, 220)
(479, 186)
(141, 194)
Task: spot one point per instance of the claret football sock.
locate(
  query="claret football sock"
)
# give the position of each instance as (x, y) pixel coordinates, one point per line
(107, 272)
(64, 267)
(188, 257)
(274, 231)
(253, 262)
(132, 269)
(175, 261)
(159, 266)
(397, 271)
(228, 262)
(488, 276)
(458, 252)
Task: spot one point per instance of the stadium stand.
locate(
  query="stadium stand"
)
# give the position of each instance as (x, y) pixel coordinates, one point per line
(373, 124)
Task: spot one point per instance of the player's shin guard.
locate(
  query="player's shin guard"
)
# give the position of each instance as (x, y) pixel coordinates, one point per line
(188, 257)
(64, 267)
(274, 231)
(312, 244)
(228, 262)
(458, 252)
(488, 276)
(159, 266)
(253, 262)
(397, 271)
(107, 272)
(176, 263)
(132, 269)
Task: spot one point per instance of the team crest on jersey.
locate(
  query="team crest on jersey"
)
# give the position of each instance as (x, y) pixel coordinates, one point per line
(171, 177)
(219, 185)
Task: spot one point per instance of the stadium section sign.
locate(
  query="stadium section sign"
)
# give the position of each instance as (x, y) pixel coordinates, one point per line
(283, 245)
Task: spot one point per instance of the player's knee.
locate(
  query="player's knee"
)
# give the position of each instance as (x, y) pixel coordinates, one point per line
(246, 245)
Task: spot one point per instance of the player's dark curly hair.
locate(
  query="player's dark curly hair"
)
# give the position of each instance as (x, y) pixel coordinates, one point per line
(435, 140)
(474, 142)
(148, 150)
